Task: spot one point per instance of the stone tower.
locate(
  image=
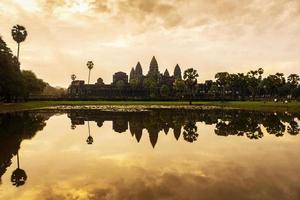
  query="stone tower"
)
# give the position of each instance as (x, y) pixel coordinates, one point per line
(177, 73)
(153, 69)
(138, 71)
(132, 74)
(166, 74)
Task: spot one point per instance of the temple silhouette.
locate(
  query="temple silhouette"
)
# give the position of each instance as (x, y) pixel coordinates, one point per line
(183, 123)
(123, 86)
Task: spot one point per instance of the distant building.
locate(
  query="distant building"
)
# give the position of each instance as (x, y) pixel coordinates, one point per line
(120, 76)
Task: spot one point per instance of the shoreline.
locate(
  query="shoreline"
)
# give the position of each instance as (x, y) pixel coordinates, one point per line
(243, 105)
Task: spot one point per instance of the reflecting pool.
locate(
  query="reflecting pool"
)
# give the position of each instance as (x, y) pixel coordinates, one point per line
(150, 154)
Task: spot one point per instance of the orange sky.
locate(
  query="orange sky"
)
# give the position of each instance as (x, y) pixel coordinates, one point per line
(210, 36)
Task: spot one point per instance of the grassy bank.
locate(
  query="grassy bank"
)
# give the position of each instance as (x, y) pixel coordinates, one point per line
(246, 105)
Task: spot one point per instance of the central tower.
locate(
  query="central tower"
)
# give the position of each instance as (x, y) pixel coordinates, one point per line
(153, 69)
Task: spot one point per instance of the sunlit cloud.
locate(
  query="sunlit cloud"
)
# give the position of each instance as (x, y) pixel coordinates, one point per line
(211, 36)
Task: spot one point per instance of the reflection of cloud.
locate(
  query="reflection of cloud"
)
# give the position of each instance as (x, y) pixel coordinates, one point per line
(226, 182)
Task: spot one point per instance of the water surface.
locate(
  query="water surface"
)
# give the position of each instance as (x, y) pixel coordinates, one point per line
(157, 154)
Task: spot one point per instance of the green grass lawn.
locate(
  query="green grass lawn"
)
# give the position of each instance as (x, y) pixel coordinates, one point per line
(247, 105)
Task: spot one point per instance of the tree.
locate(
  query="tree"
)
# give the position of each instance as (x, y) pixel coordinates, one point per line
(272, 83)
(32, 85)
(11, 81)
(120, 84)
(180, 87)
(150, 84)
(190, 79)
(164, 91)
(254, 79)
(19, 34)
(90, 66)
(222, 79)
(134, 83)
(73, 77)
(293, 79)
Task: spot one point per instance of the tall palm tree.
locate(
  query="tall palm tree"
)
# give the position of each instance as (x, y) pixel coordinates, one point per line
(19, 35)
(90, 66)
(73, 77)
(190, 79)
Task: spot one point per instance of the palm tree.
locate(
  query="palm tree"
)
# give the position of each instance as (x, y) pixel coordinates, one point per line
(73, 77)
(19, 34)
(222, 79)
(293, 79)
(18, 177)
(90, 66)
(190, 79)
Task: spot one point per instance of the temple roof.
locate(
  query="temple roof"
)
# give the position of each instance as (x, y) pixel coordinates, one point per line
(166, 73)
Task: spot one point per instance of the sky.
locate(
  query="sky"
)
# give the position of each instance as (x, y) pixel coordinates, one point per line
(210, 36)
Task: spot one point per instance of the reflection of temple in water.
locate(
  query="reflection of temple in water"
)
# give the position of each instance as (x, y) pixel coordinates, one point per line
(155, 122)
(16, 127)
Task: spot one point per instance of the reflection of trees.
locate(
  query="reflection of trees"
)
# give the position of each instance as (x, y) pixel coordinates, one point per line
(293, 128)
(18, 177)
(14, 128)
(190, 131)
(274, 125)
(227, 122)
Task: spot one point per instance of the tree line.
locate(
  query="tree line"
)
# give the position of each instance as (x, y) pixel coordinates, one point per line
(253, 85)
(234, 86)
(16, 84)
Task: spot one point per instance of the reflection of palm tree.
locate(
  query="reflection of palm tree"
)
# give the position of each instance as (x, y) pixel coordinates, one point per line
(18, 177)
(90, 139)
(73, 126)
(190, 131)
(19, 35)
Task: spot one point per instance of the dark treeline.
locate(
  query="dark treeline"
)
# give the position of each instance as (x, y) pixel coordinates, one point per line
(252, 85)
(16, 84)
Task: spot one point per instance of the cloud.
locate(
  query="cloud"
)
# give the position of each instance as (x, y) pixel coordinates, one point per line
(51, 5)
(231, 14)
(217, 35)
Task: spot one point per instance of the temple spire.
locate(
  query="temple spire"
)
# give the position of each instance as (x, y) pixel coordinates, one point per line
(138, 70)
(177, 72)
(132, 74)
(153, 69)
(166, 73)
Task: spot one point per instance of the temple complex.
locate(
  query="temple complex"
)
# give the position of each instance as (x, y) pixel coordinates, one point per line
(123, 86)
